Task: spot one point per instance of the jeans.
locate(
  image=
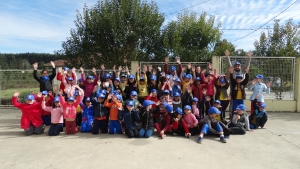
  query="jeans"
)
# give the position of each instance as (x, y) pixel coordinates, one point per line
(205, 129)
(71, 127)
(145, 133)
(131, 133)
(55, 129)
(115, 124)
(46, 120)
(37, 130)
(99, 124)
(87, 126)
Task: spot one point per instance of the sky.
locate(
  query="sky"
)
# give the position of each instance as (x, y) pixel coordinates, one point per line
(40, 26)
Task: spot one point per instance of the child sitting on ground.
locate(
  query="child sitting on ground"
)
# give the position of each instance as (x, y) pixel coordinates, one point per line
(259, 117)
(179, 125)
(240, 121)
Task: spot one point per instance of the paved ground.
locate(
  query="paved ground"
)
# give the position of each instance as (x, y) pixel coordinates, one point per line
(278, 146)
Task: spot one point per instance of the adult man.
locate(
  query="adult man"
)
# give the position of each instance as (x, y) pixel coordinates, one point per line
(172, 72)
(237, 65)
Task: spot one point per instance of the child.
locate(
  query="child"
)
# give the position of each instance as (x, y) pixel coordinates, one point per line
(79, 110)
(222, 85)
(238, 94)
(190, 120)
(211, 126)
(56, 116)
(142, 86)
(70, 85)
(259, 117)
(117, 87)
(240, 121)
(46, 115)
(70, 111)
(153, 97)
(60, 73)
(187, 96)
(114, 104)
(133, 96)
(31, 120)
(177, 101)
(258, 88)
(88, 116)
(153, 84)
(165, 122)
(130, 117)
(130, 86)
(89, 83)
(179, 125)
(195, 109)
(100, 112)
(176, 87)
(209, 81)
(197, 91)
(146, 116)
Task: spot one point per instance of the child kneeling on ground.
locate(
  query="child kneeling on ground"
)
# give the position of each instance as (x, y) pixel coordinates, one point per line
(211, 126)
(130, 118)
(240, 121)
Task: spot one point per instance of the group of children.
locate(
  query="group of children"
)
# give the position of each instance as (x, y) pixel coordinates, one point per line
(179, 101)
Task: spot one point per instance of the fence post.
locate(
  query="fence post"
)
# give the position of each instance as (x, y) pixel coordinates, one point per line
(134, 64)
(215, 61)
(297, 84)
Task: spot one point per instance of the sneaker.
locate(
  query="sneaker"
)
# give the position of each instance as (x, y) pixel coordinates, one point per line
(223, 139)
(174, 134)
(163, 136)
(226, 137)
(187, 135)
(199, 140)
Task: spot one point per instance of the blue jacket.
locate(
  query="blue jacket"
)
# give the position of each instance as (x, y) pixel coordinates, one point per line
(176, 88)
(130, 118)
(88, 114)
(258, 88)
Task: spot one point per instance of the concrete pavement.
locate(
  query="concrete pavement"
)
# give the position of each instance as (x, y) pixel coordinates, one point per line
(278, 146)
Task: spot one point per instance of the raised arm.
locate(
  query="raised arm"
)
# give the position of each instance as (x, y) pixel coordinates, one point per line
(53, 74)
(179, 66)
(82, 75)
(74, 75)
(247, 64)
(227, 53)
(35, 66)
(15, 100)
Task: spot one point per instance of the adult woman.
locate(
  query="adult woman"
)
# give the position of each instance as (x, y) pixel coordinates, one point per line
(45, 80)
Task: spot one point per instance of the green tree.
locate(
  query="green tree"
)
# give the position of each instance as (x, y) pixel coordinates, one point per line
(191, 37)
(112, 31)
(223, 45)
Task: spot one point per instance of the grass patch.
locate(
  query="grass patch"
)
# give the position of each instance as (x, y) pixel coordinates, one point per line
(7, 93)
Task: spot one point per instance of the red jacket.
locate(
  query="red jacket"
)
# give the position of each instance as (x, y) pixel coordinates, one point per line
(48, 104)
(209, 85)
(59, 78)
(185, 128)
(30, 113)
(154, 99)
(197, 91)
(69, 109)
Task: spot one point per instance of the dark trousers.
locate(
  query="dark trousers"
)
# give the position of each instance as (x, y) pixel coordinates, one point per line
(236, 129)
(99, 124)
(131, 133)
(55, 129)
(201, 108)
(141, 100)
(194, 131)
(224, 104)
(211, 103)
(179, 132)
(261, 121)
(47, 119)
(78, 119)
(36, 130)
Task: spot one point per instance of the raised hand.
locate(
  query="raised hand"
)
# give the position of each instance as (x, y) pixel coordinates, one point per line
(39, 94)
(126, 69)
(178, 60)
(35, 66)
(193, 69)
(204, 91)
(167, 59)
(159, 68)
(102, 66)
(16, 94)
(98, 82)
(227, 53)
(59, 69)
(269, 84)
(120, 68)
(114, 68)
(95, 88)
(253, 81)
(203, 71)
(94, 70)
(52, 64)
(137, 69)
(230, 69)
(163, 74)
(74, 70)
(189, 65)
(229, 98)
(247, 69)
(249, 54)
(82, 70)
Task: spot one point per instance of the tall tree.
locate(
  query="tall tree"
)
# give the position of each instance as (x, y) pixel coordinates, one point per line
(191, 37)
(112, 31)
(223, 45)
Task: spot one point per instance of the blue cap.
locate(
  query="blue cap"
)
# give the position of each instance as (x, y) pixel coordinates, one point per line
(237, 63)
(153, 77)
(30, 97)
(241, 107)
(107, 76)
(129, 103)
(87, 99)
(168, 107)
(133, 93)
(177, 80)
(166, 91)
(153, 91)
(177, 94)
(70, 79)
(263, 105)
(100, 95)
(123, 75)
(44, 92)
(259, 76)
(66, 69)
(131, 76)
(79, 80)
(217, 101)
(198, 79)
(119, 97)
(239, 77)
(91, 77)
(167, 76)
(142, 78)
(213, 110)
(195, 99)
(147, 103)
(103, 92)
(222, 80)
(117, 79)
(56, 99)
(178, 110)
(187, 107)
(189, 76)
(183, 75)
(172, 68)
(71, 99)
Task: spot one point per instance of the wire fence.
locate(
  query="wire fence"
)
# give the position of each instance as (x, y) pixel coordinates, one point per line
(279, 70)
(155, 65)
